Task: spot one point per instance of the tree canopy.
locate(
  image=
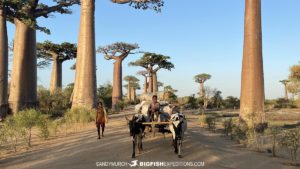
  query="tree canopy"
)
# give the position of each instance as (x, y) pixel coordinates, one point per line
(154, 62)
(142, 4)
(47, 50)
(201, 78)
(118, 49)
(131, 79)
(28, 11)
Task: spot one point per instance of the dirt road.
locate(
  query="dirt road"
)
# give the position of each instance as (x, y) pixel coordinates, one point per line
(83, 151)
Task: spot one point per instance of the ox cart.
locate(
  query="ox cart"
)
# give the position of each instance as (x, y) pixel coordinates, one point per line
(169, 121)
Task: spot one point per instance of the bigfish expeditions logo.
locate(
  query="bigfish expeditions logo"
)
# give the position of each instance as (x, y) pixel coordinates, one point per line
(136, 163)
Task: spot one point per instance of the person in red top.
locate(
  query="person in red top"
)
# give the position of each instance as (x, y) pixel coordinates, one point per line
(101, 119)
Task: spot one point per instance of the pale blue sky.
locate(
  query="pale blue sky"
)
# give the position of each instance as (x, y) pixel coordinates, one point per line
(201, 36)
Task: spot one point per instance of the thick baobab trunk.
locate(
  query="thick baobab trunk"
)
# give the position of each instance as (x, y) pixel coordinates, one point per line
(133, 94)
(3, 64)
(202, 92)
(145, 85)
(129, 92)
(23, 93)
(155, 87)
(150, 84)
(117, 82)
(85, 76)
(252, 89)
(56, 75)
(286, 95)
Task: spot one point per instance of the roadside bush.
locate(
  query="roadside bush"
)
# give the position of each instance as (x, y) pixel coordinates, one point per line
(55, 125)
(283, 103)
(239, 131)
(11, 133)
(56, 103)
(211, 122)
(43, 125)
(201, 120)
(291, 141)
(121, 105)
(274, 133)
(28, 119)
(80, 116)
(228, 126)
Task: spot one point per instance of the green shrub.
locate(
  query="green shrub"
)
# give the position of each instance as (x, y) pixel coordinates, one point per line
(291, 141)
(211, 122)
(56, 103)
(43, 124)
(283, 103)
(56, 124)
(228, 126)
(274, 133)
(79, 116)
(28, 119)
(201, 120)
(239, 131)
(121, 105)
(11, 133)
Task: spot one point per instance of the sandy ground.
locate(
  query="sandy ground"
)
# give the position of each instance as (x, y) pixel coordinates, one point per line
(83, 150)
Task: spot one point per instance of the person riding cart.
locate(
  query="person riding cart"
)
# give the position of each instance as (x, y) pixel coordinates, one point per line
(154, 109)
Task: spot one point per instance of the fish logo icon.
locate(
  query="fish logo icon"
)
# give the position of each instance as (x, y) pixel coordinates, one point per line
(133, 163)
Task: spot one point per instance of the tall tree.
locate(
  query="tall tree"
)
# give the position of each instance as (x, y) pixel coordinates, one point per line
(145, 75)
(3, 61)
(118, 52)
(252, 85)
(131, 81)
(201, 79)
(134, 86)
(285, 83)
(153, 62)
(85, 76)
(23, 90)
(58, 53)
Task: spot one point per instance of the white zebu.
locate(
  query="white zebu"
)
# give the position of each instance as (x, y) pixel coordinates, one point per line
(178, 121)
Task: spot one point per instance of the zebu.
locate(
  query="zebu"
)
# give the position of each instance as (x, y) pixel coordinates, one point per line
(136, 129)
(177, 126)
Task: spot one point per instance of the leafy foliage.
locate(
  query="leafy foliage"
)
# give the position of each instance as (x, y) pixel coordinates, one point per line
(150, 60)
(56, 103)
(104, 94)
(119, 48)
(143, 4)
(291, 141)
(47, 51)
(201, 78)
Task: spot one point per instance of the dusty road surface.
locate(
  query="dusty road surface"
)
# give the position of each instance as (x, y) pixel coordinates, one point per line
(84, 151)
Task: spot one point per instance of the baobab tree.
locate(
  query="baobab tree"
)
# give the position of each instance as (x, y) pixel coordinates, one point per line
(85, 77)
(285, 83)
(201, 79)
(134, 86)
(131, 81)
(58, 53)
(153, 62)
(145, 75)
(3, 60)
(23, 89)
(252, 84)
(118, 52)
